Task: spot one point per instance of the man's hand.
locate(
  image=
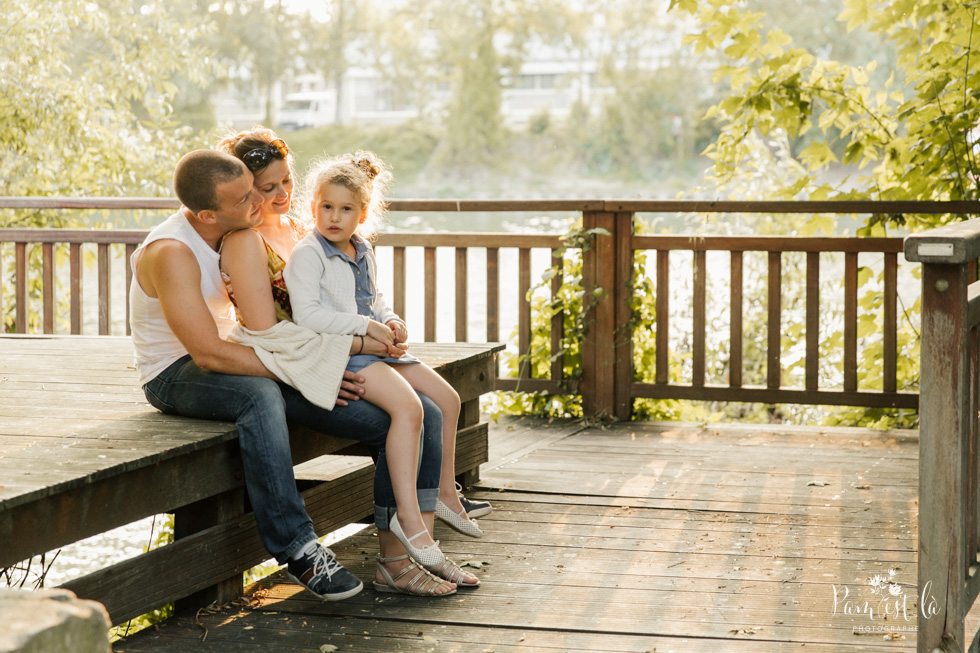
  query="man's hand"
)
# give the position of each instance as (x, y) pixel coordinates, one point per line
(351, 388)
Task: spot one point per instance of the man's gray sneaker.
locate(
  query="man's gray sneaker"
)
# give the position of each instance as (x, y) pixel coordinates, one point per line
(318, 571)
(473, 509)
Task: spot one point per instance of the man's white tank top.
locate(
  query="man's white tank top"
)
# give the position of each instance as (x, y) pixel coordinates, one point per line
(156, 345)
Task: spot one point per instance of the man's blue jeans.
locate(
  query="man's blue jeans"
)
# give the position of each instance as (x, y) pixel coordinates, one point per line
(260, 407)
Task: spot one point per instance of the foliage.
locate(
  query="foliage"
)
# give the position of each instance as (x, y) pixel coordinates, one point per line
(569, 304)
(404, 148)
(260, 38)
(324, 44)
(29, 571)
(85, 107)
(85, 93)
(909, 135)
(536, 362)
(480, 44)
(913, 135)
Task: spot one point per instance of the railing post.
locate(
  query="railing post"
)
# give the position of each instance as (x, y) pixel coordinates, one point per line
(606, 348)
(623, 332)
(943, 457)
(947, 556)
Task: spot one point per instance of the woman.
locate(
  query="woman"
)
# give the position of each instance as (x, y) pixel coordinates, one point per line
(250, 259)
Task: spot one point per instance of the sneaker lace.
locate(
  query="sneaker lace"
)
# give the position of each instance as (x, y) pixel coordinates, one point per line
(324, 561)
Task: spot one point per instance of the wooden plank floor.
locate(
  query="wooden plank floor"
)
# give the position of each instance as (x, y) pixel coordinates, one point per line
(639, 537)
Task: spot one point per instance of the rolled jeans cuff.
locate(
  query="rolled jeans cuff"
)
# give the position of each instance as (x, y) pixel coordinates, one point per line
(427, 503)
(427, 499)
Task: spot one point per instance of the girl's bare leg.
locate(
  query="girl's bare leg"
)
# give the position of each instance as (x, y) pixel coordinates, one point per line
(389, 391)
(427, 381)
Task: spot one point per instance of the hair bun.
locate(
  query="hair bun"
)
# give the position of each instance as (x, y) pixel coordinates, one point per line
(367, 164)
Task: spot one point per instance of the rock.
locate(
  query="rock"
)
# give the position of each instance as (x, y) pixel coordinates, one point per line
(51, 621)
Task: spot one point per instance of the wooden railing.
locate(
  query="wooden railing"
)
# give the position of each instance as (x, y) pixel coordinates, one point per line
(949, 434)
(607, 383)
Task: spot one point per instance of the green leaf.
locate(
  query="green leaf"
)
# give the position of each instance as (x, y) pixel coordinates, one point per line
(856, 13)
(817, 155)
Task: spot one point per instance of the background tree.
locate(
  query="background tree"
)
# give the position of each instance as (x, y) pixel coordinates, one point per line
(329, 44)
(85, 97)
(912, 138)
(401, 44)
(260, 39)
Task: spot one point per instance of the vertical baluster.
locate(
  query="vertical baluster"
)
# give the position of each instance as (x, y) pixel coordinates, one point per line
(773, 354)
(47, 287)
(890, 318)
(2, 268)
(735, 325)
(431, 301)
(130, 248)
(75, 286)
(398, 270)
(462, 302)
(558, 319)
(104, 277)
(700, 293)
(812, 368)
(663, 306)
(20, 288)
(850, 321)
(493, 297)
(524, 311)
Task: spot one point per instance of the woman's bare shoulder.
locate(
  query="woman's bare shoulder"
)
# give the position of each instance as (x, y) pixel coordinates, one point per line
(243, 241)
(242, 247)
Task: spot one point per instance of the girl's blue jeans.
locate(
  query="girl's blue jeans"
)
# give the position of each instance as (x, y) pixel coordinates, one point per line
(260, 408)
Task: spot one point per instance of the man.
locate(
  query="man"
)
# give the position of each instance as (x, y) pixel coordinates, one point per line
(180, 315)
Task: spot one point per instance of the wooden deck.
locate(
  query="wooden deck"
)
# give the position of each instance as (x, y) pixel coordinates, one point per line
(82, 452)
(639, 538)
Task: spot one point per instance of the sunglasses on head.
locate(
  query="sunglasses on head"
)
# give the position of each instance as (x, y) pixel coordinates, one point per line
(261, 156)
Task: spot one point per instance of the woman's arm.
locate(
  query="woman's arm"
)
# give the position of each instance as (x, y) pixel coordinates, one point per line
(245, 260)
(168, 271)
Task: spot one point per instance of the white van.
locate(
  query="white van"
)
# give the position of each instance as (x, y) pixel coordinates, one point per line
(311, 109)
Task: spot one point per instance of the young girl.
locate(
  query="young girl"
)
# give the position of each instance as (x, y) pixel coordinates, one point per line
(331, 278)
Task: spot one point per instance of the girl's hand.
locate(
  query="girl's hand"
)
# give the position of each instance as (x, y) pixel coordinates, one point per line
(377, 348)
(380, 332)
(399, 329)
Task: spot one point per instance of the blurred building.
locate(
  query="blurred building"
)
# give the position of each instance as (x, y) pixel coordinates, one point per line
(542, 87)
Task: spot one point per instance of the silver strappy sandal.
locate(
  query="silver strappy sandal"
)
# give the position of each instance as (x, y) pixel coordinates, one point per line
(423, 583)
(450, 571)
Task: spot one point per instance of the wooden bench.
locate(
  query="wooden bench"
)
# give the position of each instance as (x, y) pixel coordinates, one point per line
(81, 452)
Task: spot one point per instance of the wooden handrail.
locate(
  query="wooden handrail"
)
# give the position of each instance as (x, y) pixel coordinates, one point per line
(955, 244)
